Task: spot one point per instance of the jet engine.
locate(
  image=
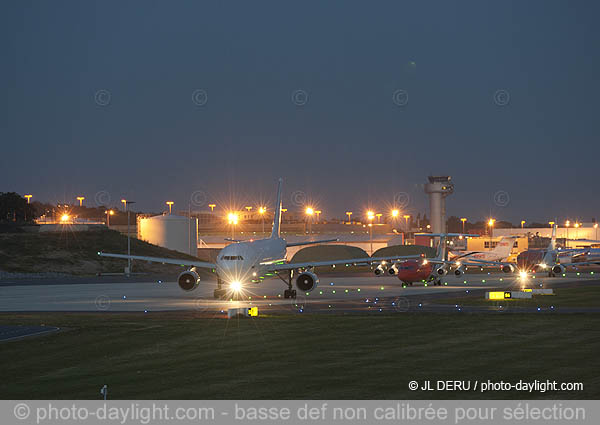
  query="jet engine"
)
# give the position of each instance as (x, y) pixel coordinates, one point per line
(459, 271)
(188, 280)
(307, 281)
(442, 271)
(393, 270)
(508, 268)
(558, 269)
(379, 270)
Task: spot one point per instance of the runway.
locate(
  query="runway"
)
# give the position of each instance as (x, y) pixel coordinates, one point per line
(341, 294)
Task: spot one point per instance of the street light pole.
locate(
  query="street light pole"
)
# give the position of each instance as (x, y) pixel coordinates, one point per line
(233, 219)
(126, 203)
(108, 214)
(262, 211)
(463, 223)
(491, 223)
(309, 214)
(370, 216)
(406, 217)
(349, 214)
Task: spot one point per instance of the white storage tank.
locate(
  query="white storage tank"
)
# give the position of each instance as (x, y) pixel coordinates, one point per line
(174, 232)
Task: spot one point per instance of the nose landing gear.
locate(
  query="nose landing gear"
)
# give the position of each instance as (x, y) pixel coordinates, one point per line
(220, 293)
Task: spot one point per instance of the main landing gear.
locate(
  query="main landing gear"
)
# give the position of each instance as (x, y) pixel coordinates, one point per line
(288, 293)
(436, 281)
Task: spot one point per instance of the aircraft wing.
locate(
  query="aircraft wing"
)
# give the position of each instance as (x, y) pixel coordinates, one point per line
(180, 262)
(310, 242)
(470, 262)
(476, 262)
(583, 263)
(353, 261)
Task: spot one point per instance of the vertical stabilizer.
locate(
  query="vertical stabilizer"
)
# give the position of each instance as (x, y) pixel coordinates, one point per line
(441, 249)
(504, 247)
(277, 217)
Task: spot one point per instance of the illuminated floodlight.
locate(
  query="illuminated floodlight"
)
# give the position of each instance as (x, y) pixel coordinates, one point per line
(309, 211)
(395, 213)
(64, 217)
(235, 286)
(232, 218)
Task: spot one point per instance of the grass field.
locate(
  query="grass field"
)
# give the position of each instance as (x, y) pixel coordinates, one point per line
(77, 253)
(181, 355)
(580, 296)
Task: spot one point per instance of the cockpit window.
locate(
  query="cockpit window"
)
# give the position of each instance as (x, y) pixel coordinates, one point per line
(231, 257)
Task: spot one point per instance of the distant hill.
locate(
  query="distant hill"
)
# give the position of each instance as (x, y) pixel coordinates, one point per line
(77, 253)
(328, 252)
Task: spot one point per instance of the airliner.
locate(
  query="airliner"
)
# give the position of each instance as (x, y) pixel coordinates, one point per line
(245, 262)
(500, 253)
(426, 269)
(538, 260)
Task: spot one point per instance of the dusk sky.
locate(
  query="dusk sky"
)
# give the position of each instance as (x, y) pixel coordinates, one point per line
(350, 102)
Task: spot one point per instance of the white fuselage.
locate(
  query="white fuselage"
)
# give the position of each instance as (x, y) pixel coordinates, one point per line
(244, 262)
(485, 256)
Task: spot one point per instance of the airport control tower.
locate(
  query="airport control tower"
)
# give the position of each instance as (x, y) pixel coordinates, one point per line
(438, 188)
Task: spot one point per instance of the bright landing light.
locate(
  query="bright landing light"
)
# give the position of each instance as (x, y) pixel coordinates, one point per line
(235, 286)
(523, 275)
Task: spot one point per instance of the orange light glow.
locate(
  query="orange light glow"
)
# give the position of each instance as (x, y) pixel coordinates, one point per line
(232, 218)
